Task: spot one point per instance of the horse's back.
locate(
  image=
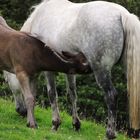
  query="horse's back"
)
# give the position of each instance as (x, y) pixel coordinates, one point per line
(97, 27)
(100, 24)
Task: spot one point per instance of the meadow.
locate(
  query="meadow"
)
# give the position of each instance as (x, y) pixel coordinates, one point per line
(13, 126)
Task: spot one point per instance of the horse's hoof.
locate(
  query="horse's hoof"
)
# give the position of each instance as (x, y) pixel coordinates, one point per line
(32, 125)
(76, 125)
(55, 125)
(21, 111)
(110, 134)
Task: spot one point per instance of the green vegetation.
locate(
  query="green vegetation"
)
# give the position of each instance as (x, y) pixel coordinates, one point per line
(13, 127)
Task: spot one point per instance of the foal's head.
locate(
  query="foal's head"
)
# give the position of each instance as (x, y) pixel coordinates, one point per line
(80, 60)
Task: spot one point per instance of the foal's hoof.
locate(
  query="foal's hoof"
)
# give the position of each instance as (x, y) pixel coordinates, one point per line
(55, 125)
(21, 111)
(32, 125)
(110, 134)
(76, 125)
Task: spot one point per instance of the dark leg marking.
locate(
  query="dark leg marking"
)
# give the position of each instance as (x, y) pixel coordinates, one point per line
(104, 80)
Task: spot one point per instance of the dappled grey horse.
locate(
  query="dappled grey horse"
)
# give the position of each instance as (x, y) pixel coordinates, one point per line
(104, 32)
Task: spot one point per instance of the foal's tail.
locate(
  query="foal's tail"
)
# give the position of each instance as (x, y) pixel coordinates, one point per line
(131, 25)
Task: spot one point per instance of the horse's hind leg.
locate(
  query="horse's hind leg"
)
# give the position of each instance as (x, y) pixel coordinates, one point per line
(52, 94)
(71, 89)
(103, 78)
(28, 97)
(16, 90)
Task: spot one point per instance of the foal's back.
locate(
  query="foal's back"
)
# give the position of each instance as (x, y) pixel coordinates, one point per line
(14, 46)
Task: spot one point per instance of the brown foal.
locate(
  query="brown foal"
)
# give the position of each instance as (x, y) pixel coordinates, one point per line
(25, 56)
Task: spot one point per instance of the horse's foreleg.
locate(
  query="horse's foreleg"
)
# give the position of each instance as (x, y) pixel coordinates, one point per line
(53, 97)
(104, 80)
(71, 89)
(16, 90)
(28, 97)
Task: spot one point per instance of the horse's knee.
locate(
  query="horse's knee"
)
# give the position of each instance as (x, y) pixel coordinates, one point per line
(30, 101)
(111, 96)
(104, 81)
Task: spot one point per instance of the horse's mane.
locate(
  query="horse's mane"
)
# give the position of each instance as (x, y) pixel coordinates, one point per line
(45, 0)
(3, 22)
(34, 10)
(36, 5)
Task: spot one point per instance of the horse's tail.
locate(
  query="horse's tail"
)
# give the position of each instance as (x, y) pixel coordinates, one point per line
(131, 25)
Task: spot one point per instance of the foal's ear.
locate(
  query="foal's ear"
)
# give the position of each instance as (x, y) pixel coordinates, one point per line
(68, 55)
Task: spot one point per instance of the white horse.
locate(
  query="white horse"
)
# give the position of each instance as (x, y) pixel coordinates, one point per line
(103, 32)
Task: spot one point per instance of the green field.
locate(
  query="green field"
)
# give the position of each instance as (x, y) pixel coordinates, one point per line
(13, 127)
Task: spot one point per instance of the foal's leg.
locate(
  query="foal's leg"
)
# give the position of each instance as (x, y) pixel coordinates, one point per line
(19, 102)
(53, 97)
(104, 80)
(28, 97)
(71, 89)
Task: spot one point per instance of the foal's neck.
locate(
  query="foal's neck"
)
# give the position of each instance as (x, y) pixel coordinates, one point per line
(54, 62)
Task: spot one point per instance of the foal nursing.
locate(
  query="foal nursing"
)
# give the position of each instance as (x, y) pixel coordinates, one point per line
(24, 55)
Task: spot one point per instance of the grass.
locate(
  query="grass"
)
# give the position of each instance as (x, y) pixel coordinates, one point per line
(13, 127)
